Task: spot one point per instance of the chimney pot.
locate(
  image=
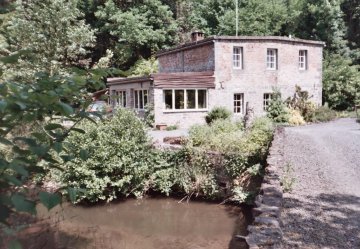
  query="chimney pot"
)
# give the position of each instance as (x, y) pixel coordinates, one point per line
(197, 36)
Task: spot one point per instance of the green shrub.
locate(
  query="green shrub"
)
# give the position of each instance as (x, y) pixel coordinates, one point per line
(119, 158)
(300, 102)
(277, 110)
(241, 149)
(172, 128)
(324, 114)
(121, 162)
(218, 113)
(221, 135)
(149, 115)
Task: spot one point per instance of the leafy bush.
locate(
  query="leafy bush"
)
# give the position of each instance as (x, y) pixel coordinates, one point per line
(277, 110)
(296, 118)
(220, 135)
(301, 102)
(241, 149)
(218, 113)
(341, 83)
(324, 114)
(149, 115)
(119, 158)
(172, 128)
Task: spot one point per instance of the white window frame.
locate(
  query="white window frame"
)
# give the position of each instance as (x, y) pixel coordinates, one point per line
(185, 100)
(137, 92)
(119, 96)
(238, 103)
(267, 97)
(271, 59)
(303, 59)
(237, 57)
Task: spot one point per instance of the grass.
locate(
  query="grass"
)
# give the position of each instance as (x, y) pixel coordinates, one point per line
(172, 128)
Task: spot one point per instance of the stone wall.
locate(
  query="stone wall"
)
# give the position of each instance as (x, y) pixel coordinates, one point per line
(198, 59)
(254, 79)
(265, 232)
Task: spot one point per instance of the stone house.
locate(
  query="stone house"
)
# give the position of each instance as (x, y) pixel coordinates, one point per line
(234, 72)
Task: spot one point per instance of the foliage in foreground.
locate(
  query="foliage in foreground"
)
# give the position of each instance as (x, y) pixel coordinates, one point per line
(121, 161)
(119, 158)
(32, 134)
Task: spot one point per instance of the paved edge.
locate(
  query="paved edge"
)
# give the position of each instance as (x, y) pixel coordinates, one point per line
(265, 231)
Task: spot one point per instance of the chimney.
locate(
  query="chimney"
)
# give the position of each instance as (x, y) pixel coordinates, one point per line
(197, 36)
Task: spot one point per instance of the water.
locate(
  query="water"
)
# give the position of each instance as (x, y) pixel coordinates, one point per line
(144, 224)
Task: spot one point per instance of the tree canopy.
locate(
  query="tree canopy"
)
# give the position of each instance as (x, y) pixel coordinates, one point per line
(87, 33)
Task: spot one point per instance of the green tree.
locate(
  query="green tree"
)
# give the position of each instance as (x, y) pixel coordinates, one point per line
(137, 30)
(53, 32)
(323, 20)
(341, 83)
(256, 17)
(351, 10)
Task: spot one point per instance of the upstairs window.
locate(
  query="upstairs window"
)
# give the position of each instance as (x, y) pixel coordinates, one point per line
(238, 103)
(238, 57)
(140, 99)
(302, 59)
(271, 59)
(185, 99)
(266, 101)
(120, 98)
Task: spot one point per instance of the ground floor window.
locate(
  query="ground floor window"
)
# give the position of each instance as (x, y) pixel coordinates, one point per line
(140, 99)
(238, 103)
(185, 99)
(119, 98)
(266, 100)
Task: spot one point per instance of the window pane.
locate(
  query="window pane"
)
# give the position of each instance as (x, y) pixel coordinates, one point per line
(120, 98)
(136, 98)
(145, 98)
(202, 99)
(179, 99)
(237, 57)
(124, 98)
(141, 105)
(191, 99)
(238, 102)
(168, 99)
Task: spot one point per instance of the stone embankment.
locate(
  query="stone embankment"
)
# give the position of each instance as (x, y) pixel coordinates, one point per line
(265, 232)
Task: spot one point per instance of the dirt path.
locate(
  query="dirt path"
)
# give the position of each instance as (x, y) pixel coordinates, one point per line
(323, 208)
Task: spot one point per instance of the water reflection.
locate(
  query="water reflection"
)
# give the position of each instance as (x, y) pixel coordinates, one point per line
(147, 224)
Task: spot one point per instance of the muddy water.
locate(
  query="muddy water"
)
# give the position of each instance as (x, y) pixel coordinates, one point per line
(146, 224)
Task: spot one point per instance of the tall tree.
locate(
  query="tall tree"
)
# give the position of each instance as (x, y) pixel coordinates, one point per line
(323, 20)
(137, 30)
(256, 17)
(351, 10)
(53, 32)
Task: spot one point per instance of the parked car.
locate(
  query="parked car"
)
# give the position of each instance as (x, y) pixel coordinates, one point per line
(100, 107)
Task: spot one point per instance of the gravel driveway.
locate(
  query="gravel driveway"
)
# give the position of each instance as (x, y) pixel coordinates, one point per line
(323, 208)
